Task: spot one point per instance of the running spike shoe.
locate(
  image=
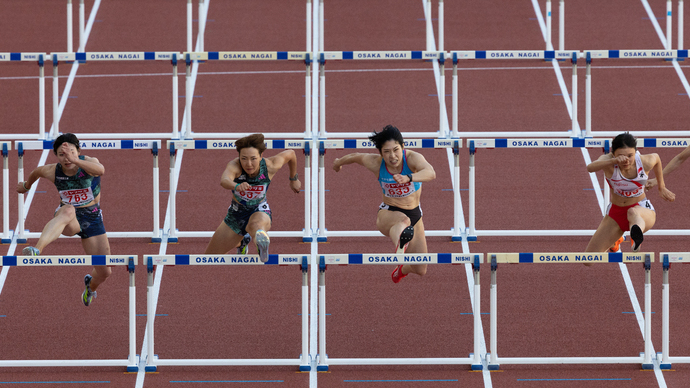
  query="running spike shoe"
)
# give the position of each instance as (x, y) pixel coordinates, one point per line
(30, 251)
(88, 295)
(244, 245)
(617, 245)
(397, 274)
(262, 242)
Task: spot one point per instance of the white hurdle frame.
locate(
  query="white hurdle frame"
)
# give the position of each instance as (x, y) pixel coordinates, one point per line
(153, 361)
(132, 360)
(646, 258)
(153, 145)
(6, 147)
(561, 25)
(455, 232)
(666, 360)
(174, 145)
(474, 359)
(474, 144)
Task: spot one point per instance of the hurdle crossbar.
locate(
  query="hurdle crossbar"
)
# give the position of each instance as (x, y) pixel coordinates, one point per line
(132, 361)
(553, 143)
(174, 145)
(667, 258)
(582, 258)
(303, 361)
(152, 145)
(455, 144)
(475, 259)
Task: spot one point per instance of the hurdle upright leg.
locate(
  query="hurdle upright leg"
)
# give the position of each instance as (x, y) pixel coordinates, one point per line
(493, 359)
(306, 361)
(476, 360)
(132, 359)
(647, 363)
(20, 178)
(5, 196)
(150, 316)
(665, 361)
(323, 357)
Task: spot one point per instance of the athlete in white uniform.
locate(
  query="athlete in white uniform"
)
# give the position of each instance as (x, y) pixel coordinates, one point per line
(626, 171)
(400, 173)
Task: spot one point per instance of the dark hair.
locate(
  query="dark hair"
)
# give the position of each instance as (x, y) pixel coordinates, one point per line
(65, 138)
(256, 141)
(388, 132)
(623, 140)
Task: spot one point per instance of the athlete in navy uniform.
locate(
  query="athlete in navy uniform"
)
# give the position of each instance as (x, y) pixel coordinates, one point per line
(248, 177)
(78, 181)
(400, 173)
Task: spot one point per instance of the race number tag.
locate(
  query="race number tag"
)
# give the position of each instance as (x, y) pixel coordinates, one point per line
(397, 190)
(77, 197)
(252, 193)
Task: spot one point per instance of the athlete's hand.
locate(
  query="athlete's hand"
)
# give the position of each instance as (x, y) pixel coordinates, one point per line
(667, 195)
(401, 178)
(620, 159)
(336, 165)
(295, 185)
(244, 186)
(21, 189)
(650, 183)
(70, 153)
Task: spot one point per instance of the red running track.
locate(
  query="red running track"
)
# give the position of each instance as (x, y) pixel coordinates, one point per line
(252, 312)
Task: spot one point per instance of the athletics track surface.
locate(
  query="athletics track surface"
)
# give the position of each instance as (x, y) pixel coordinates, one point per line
(232, 312)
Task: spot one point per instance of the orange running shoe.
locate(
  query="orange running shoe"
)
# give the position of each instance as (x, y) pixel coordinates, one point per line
(397, 274)
(617, 245)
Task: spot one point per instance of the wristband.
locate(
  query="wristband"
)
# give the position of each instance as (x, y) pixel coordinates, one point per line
(295, 178)
(24, 186)
(235, 189)
(410, 177)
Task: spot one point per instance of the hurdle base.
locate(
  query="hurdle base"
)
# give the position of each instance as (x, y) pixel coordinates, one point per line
(647, 366)
(150, 368)
(322, 239)
(471, 238)
(172, 239)
(477, 367)
(156, 240)
(665, 366)
(307, 239)
(455, 238)
(21, 241)
(132, 368)
(305, 368)
(6, 240)
(322, 368)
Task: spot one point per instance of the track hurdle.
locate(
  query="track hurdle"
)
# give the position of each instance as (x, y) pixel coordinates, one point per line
(455, 144)
(132, 361)
(554, 257)
(474, 359)
(153, 360)
(387, 55)
(625, 54)
(667, 258)
(6, 146)
(174, 145)
(152, 145)
(234, 56)
(517, 55)
(116, 56)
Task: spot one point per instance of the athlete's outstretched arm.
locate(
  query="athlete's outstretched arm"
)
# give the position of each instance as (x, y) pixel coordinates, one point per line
(232, 171)
(665, 194)
(604, 161)
(275, 163)
(422, 170)
(46, 171)
(672, 165)
(371, 161)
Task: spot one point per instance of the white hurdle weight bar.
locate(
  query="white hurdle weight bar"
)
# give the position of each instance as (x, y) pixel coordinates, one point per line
(132, 360)
(475, 259)
(153, 360)
(645, 359)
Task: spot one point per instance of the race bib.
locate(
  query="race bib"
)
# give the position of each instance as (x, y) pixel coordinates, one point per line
(253, 193)
(397, 190)
(77, 197)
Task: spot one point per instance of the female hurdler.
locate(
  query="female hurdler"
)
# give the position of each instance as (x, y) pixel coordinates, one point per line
(400, 173)
(248, 177)
(626, 172)
(78, 181)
